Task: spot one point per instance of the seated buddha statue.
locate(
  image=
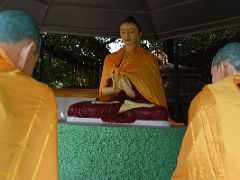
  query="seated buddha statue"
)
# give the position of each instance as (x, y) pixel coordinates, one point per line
(131, 85)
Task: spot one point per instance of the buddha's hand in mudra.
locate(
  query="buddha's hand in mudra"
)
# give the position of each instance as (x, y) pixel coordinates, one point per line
(125, 85)
(115, 80)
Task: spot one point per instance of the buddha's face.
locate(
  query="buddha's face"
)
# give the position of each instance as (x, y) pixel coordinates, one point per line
(130, 34)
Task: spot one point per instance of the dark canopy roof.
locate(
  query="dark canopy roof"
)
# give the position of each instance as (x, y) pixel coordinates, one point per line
(158, 18)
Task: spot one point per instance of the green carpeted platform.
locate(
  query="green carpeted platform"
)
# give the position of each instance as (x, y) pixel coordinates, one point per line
(117, 153)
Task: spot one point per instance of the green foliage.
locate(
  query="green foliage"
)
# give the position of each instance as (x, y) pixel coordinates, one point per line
(193, 43)
(196, 42)
(71, 61)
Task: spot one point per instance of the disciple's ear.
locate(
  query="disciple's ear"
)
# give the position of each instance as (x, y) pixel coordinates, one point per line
(227, 69)
(222, 70)
(27, 58)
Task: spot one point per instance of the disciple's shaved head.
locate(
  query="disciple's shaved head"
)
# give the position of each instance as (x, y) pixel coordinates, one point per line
(16, 26)
(229, 53)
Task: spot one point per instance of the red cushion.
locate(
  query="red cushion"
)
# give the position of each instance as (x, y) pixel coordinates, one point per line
(118, 119)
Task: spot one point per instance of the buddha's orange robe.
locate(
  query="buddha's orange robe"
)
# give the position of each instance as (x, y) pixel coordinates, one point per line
(28, 126)
(211, 145)
(142, 70)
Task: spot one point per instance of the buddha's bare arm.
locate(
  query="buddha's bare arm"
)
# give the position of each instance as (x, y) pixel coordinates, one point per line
(110, 91)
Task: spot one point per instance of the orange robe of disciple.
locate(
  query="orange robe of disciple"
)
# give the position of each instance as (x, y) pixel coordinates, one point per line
(28, 126)
(211, 147)
(142, 70)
